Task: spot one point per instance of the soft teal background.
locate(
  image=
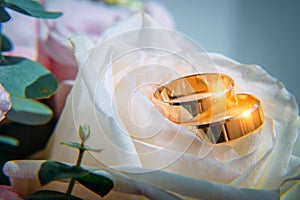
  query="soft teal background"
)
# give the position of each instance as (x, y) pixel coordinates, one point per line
(263, 32)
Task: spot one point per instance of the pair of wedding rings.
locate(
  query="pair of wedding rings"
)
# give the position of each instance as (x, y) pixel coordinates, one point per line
(208, 104)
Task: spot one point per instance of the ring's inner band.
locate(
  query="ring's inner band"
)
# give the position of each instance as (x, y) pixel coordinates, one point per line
(185, 98)
(243, 118)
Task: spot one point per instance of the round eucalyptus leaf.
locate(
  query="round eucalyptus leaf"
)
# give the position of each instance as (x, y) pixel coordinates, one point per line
(6, 44)
(8, 140)
(25, 78)
(98, 183)
(44, 86)
(31, 8)
(4, 16)
(53, 170)
(29, 111)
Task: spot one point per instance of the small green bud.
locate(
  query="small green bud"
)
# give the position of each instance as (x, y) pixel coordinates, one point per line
(84, 132)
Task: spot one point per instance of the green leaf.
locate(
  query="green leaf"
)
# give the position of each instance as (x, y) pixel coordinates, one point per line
(6, 44)
(97, 183)
(29, 111)
(25, 78)
(43, 86)
(78, 146)
(52, 170)
(4, 16)
(9, 140)
(31, 8)
(72, 144)
(87, 148)
(48, 194)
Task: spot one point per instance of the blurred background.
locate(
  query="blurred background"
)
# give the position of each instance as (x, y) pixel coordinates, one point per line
(266, 32)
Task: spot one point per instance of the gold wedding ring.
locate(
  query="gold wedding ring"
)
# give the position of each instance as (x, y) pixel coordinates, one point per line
(244, 117)
(184, 99)
(207, 104)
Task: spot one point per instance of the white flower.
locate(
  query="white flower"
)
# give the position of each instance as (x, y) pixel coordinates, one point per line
(113, 89)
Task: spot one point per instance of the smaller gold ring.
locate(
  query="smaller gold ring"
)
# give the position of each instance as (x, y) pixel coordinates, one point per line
(241, 119)
(185, 98)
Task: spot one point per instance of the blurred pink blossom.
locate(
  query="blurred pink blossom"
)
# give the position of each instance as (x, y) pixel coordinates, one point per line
(47, 40)
(7, 193)
(23, 31)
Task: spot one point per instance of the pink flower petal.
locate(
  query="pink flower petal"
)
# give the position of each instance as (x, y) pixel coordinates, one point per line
(5, 102)
(7, 193)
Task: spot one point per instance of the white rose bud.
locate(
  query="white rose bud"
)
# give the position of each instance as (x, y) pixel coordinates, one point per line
(84, 132)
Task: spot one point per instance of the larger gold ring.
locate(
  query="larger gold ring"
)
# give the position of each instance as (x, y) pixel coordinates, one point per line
(184, 99)
(243, 118)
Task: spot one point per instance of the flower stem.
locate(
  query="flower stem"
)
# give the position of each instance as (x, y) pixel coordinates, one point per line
(78, 164)
(1, 38)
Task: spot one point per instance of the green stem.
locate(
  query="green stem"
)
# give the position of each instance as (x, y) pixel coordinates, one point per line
(2, 58)
(70, 188)
(80, 156)
(78, 164)
(1, 40)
